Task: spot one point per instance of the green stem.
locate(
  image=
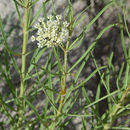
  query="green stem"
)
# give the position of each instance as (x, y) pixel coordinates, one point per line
(63, 83)
(63, 90)
(113, 115)
(25, 40)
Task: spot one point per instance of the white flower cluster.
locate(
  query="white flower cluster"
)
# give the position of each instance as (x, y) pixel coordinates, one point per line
(50, 33)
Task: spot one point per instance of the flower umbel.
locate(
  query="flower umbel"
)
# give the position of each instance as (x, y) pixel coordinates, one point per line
(51, 33)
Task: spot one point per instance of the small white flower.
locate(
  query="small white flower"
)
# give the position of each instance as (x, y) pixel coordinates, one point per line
(43, 25)
(39, 38)
(50, 17)
(33, 38)
(37, 25)
(40, 20)
(39, 32)
(44, 41)
(39, 45)
(65, 24)
(58, 17)
(59, 39)
(49, 23)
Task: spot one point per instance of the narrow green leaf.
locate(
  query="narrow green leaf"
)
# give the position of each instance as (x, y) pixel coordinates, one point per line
(122, 38)
(45, 91)
(88, 78)
(21, 3)
(119, 75)
(69, 104)
(88, 101)
(34, 109)
(77, 41)
(98, 92)
(7, 48)
(36, 56)
(53, 8)
(98, 15)
(36, 16)
(91, 46)
(125, 21)
(120, 128)
(108, 79)
(82, 57)
(70, 13)
(8, 81)
(78, 19)
(44, 9)
(18, 12)
(58, 59)
(97, 101)
(50, 93)
(33, 3)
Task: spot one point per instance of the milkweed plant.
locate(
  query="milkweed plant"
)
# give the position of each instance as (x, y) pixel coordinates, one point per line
(24, 107)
